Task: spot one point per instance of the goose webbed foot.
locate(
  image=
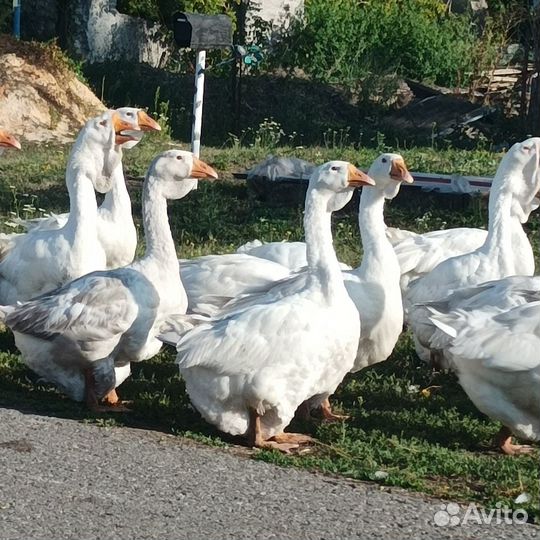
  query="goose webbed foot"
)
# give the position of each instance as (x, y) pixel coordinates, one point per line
(116, 404)
(292, 438)
(504, 442)
(111, 402)
(283, 442)
(328, 415)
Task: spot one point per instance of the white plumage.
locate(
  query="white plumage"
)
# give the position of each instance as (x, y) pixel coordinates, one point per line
(248, 372)
(83, 336)
(374, 285)
(418, 254)
(43, 260)
(115, 228)
(516, 183)
(211, 278)
(291, 255)
(490, 337)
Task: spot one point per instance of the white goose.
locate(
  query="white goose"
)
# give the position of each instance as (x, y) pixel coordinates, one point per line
(8, 141)
(418, 254)
(116, 230)
(83, 336)
(493, 349)
(43, 260)
(515, 184)
(291, 255)
(248, 372)
(210, 278)
(374, 285)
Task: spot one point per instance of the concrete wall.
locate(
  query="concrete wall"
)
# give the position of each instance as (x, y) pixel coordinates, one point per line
(100, 33)
(277, 9)
(95, 31)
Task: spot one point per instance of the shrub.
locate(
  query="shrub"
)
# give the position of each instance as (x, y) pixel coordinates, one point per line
(344, 40)
(162, 10)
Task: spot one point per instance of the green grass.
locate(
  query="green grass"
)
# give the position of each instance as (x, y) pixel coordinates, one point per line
(433, 441)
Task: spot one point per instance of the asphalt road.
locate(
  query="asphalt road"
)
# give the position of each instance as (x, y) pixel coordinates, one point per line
(63, 479)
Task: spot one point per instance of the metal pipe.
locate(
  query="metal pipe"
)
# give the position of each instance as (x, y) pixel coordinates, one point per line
(17, 19)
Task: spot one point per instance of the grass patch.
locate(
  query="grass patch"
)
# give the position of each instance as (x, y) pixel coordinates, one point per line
(433, 441)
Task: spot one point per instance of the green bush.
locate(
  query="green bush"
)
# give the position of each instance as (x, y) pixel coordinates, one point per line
(344, 40)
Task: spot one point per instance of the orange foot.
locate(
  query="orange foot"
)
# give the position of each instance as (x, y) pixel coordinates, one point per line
(286, 448)
(292, 438)
(284, 442)
(504, 442)
(112, 403)
(328, 415)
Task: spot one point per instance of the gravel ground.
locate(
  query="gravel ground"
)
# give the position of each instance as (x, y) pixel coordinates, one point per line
(64, 479)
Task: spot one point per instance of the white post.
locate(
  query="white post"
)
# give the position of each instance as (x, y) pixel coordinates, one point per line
(198, 103)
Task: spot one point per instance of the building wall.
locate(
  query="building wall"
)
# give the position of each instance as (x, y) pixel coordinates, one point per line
(277, 9)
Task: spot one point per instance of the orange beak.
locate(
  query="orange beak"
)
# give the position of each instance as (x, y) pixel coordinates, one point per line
(202, 170)
(399, 172)
(357, 178)
(9, 140)
(120, 125)
(146, 123)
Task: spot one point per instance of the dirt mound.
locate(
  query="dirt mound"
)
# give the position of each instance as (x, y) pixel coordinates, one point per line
(41, 98)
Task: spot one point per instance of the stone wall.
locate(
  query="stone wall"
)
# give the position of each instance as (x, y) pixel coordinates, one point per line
(95, 31)
(102, 34)
(275, 10)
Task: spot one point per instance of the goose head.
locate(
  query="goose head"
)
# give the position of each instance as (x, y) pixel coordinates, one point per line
(174, 173)
(522, 163)
(128, 139)
(8, 141)
(100, 149)
(389, 171)
(337, 180)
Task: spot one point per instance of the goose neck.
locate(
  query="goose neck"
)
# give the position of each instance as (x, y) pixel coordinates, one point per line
(501, 221)
(371, 217)
(117, 200)
(158, 237)
(82, 218)
(321, 257)
(379, 258)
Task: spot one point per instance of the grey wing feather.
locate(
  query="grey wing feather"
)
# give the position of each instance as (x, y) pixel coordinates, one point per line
(94, 307)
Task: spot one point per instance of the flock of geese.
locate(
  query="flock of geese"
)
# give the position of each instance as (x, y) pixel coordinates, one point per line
(272, 330)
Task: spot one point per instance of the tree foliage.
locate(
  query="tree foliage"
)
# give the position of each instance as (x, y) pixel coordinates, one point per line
(162, 10)
(345, 40)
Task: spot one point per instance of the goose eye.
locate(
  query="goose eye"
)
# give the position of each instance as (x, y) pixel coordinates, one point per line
(334, 168)
(130, 114)
(527, 148)
(384, 160)
(180, 158)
